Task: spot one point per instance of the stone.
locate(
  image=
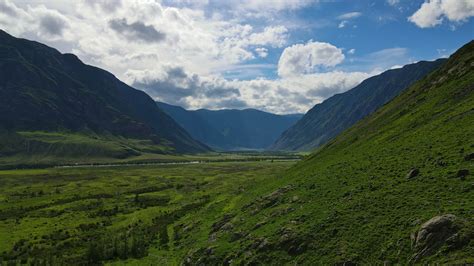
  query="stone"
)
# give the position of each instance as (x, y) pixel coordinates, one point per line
(462, 173)
(413, 173)
(221, 223)
(469, 157)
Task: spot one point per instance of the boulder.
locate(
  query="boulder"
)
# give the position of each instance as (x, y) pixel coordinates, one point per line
(432, 235)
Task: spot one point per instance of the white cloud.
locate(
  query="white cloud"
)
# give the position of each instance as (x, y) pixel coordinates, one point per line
(350, 15)
(346, 17)
(273, 36)
(179, 54)
(342, 24)
(432, 13)
(393, 2)
(261, 51)
(351, 51)
(304, 58)
(265, 5)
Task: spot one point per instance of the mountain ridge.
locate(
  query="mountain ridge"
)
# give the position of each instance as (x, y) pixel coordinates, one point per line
(44, 90)
(231, 129)
(329, 118)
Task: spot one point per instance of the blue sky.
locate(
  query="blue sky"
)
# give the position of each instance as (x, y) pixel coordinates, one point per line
(281, 56)
(378, 26)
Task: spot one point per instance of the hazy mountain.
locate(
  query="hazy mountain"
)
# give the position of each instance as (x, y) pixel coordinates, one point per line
(44, 90)
(329, 118)
(231, 129)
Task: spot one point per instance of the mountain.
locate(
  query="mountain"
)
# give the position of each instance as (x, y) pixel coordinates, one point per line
(44, 91)
(395, 188)
(326, 120)
(231, 129)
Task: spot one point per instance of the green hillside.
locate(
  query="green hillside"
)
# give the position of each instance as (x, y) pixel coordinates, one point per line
(357, 200)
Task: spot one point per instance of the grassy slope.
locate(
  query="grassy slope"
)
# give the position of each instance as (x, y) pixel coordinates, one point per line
(351, 200)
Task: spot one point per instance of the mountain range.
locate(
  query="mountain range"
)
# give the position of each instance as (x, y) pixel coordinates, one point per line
(230, 129)
(46, 97)
(326, 120)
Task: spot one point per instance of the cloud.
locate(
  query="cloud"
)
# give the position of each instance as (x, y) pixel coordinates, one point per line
(351, 51)
(393, 2)
(137, 30)
(304, 58)
(274, 36)
(52, 24)
(172, 84)
(105, 5)
(346, 17)
(432, 13)
(261, 52)
(275, 5)
(182, 54)
(350, 15)
(342, 24)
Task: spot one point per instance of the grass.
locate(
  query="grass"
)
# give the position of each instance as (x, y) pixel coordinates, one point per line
(60, 215)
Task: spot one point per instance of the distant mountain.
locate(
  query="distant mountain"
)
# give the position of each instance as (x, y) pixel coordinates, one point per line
(231, 129)
(44, 90)
(329, 118)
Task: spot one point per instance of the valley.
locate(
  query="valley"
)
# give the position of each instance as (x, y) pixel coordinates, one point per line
(185, 133)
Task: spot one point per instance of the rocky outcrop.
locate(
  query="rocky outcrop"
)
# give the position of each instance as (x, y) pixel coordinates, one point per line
(433, 234)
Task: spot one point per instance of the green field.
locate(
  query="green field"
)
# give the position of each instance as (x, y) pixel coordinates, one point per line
(109, 214)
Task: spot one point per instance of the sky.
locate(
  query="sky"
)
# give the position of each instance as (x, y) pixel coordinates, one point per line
(280, 56)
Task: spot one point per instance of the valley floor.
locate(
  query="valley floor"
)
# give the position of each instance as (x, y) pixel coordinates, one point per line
(126, 214)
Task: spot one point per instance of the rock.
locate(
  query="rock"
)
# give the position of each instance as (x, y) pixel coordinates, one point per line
(416, 222)
(212, 237)
(260, 244)
(469, 157)
(295, 198)
(236, 236)
(462, 173)
(221, 223)
(432, 235)
(209, 251)
(413, 173)
(259, 224)
(227, 227)
(346, 263)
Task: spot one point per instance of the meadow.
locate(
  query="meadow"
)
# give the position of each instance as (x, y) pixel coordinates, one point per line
(96, 215)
